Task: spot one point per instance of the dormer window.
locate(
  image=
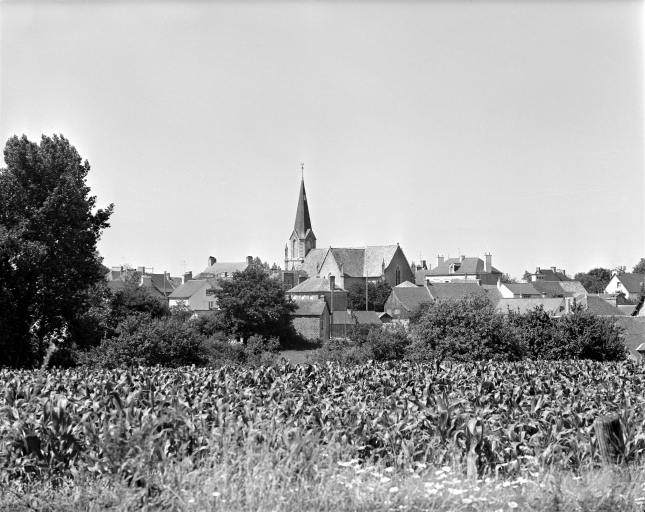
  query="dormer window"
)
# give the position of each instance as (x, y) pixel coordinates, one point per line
(454, 267)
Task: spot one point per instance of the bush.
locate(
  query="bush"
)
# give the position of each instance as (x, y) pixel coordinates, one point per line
(146, 342)
(468, 329)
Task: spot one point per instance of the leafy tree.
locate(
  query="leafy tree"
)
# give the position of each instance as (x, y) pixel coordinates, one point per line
(377, 294)
(639, 268)
(466, 329)
(135, 299)
(527, 276)
(594, 281)
(251, 303)
(506, 278)
(620, 269)
(49, 228)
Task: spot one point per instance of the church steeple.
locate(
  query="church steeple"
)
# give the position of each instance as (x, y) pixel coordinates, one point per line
(302, 238)
(303, 221)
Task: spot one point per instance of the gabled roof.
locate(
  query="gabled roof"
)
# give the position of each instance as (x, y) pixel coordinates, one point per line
(354, 261)
(522, 288)
(343, 317)
(376, 256)
(549, 275)
(310, 307)
(469, 266)
(573, 287)
(551, 288)
(219, 269)
(632, 282)
(157, 281)
(367, 317)
(493, 293)
(442, 291)
(406, 284)
(313, 261)
(628, 309)
(303, 221)
(601, 307)
(411, 298)
(188, 289)
(350, 260)
(315, 284)
(550, 305)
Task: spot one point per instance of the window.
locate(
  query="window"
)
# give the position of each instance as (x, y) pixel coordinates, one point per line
(398, 275)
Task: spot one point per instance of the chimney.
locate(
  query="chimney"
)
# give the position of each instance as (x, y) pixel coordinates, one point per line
(553, 269)
(332, 282)
(211, 261)
(187, 277)
(423, 265)
(567, 305)
(142, 270)
(537, 270)
(488, 263)
(439, 260)
(563, 272)
(249, 260)
(462, 257)
(146, 281)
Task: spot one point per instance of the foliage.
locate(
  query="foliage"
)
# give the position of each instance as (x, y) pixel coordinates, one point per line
(142, 341)
(594, 281)
(506, 278)
(49, 228)
(129, 422)
(527, 277)
(639, 268)
(377, 294)
(134, 299)
(251, 303)
(467, 329)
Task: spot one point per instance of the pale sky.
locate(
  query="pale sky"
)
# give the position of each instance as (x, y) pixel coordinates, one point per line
(514, 128)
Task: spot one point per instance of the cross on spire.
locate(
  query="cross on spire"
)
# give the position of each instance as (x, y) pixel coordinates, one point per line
(302, 170)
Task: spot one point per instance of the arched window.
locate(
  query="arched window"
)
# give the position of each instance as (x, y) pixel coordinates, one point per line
(293, 249)
(398, 276)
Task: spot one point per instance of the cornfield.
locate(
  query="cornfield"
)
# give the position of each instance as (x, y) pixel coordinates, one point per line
(513, 416)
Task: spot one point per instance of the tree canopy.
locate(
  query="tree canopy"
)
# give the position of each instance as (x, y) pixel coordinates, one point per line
(639, 268)
(49, 227)
(252, 303)
(594, 281)
(377, 294)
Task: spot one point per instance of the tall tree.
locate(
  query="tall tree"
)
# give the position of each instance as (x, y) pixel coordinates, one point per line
(251, 303)
(594, 281)
(639, 268)
(377, 294)
(49, 227)
(506, 278)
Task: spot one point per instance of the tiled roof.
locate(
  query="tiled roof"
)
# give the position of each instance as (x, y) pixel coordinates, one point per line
(493, 293)
(601, 307)
(467, 266)
(312, 262)
(549, 275)
(343, 317)
(310, 308)
(158, 282)
(550, 305)
(187, 290)
(575, 288)
(628, 309)
(367, 317)
(315, 284)
(375, 256)
(632, 282)
(350, 260)
(219, 269)
(522, 288)
(441, 291)
(551, 288)
(634, 333)
(406, 284)
(303, 223)
(411, 298)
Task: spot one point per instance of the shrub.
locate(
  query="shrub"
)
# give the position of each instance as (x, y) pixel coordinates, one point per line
(142, 341)
(468, 329)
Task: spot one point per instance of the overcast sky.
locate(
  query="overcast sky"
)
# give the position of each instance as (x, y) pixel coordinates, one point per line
(514, 128)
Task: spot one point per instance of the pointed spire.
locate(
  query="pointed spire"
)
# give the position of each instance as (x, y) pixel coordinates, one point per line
(303, 222)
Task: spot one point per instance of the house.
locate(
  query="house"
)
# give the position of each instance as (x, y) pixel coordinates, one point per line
(159, 285)
(371, 318)
(553, 306)
(554, 289)
(461, 269)
(223, 270)
(321, 288)
(197, 294)
(629, 285)
(349, 265)
(311, 319)
(404, 300)
(443, 291)
(599, 306)
(552, 274)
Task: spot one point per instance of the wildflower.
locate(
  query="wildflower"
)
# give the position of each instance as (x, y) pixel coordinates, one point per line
(432, 491)
(467, 501)
(439, 472)
(394, 489)
(191, 500)
(512, 504)
(447, 469)
(216, 494)
(389, 470)
(385, 479)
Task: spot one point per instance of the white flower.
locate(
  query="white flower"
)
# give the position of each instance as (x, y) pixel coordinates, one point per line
(216, 494)
(191, 500)
(384, 479)
(432, 491)
(389, 470)
(394, 489)
(466, 501)
(447, 469)
(439, 472)
(512, 504)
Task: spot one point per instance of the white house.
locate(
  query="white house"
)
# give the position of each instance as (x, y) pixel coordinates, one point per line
(628, 284)
(517, 290)
(197, 294)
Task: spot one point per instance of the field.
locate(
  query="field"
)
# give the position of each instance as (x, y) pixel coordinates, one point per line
(371, 437)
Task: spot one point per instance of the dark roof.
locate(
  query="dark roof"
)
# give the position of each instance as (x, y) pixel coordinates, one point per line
(354, 261)
(186, 290)
(350, 260)
(411, 298)
(310, 308)
(522, 288)
(551, 288)
(599, 306)
(313, 261)
(550, 305)
(219, 269)
(157, 281)
(303, 223)
(628, 309)
(466, 266)
(442, 291)
(632, 282)
(343, 317)
(367, 317)
(634, 333)
(493, 293)
(549, 275)
(315, 284)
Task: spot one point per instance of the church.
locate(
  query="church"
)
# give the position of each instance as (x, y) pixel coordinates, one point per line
(348, 265)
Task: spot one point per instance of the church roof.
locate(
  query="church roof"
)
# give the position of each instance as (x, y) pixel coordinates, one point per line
(303, 222)
(364, 261)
